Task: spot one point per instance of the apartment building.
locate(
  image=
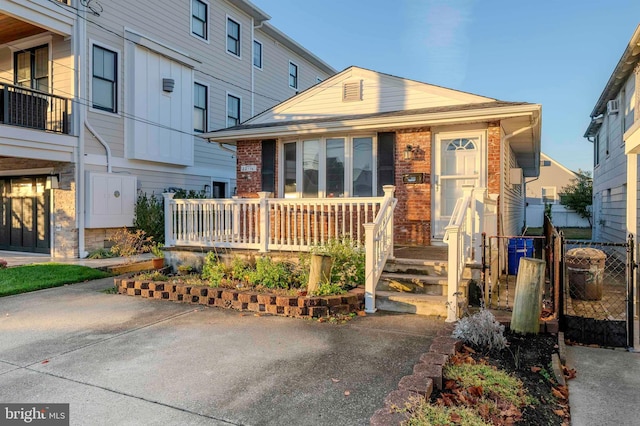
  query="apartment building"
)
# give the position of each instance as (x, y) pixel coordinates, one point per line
(101, 101)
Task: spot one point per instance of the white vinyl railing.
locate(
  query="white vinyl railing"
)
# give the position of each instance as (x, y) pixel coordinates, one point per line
(267, 223)
(378, 246)
(460, 235)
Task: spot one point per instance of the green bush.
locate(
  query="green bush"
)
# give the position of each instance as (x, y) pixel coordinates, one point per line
(272, 274)
(149, 216)
(240, 269)
(326, 289)
(214, 270)
(348, 262)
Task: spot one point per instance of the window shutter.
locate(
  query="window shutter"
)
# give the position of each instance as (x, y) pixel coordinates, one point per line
(386, 160)
(268, 165)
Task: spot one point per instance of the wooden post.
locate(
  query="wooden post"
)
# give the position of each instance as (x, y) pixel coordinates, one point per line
(169, 241)
(370, 278)
(320, 271)
(527, 304)
(264, 221)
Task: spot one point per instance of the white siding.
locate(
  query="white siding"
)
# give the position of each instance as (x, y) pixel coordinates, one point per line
(512, 203)
(610, 175)
(380, 93)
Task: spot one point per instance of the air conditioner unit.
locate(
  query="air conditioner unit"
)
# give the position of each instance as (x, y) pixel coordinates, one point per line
(612, 106)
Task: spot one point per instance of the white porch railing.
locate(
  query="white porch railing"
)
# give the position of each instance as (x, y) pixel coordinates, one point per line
(287, 224)
(461, 235)
(267, 223)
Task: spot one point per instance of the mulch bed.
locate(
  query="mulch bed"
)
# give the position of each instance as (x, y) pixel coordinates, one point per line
(527, 358)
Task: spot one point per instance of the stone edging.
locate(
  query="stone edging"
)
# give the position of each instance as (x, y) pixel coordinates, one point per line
(418, 386)
(291, 306)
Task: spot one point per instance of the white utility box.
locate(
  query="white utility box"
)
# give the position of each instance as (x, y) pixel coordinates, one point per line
(110, 200)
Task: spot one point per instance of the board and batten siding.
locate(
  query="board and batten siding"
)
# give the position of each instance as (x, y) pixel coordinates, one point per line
(380, 93)
(168, 23)
(610, 174)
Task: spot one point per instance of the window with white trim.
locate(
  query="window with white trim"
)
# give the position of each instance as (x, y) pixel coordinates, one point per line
(199, 19)
(233, 110)
(199, 108)
(104, 82)
(257, 54)
(233, 37)
(293, 75)
(340, 166)
(549, 195)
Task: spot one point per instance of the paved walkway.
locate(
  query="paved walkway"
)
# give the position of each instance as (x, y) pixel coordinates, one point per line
(16, 258)
(606, 390)
(125, 360)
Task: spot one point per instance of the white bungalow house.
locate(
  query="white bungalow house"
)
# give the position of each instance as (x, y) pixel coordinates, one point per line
(385, 160)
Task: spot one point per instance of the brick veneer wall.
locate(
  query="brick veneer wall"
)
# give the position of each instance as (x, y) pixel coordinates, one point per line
(412, 221)
(493, 183)
(249, 183)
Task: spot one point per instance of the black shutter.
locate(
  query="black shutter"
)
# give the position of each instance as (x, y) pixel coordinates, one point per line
(268, 169)
(386, 160)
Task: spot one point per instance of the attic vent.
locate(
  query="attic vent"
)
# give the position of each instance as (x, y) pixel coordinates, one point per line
(612, 107)
(352, 91)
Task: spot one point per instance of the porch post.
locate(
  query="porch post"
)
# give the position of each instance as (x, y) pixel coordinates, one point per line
(235, 225)
(169, 241)
(452, 274)
(389, 191)
(264, 221)
(370, 274)
(632, 229)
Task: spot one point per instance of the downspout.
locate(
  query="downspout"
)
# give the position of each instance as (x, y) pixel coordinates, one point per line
(505, 139)
(106, 146)
(81, 62)
(224, 148)
(525, 198)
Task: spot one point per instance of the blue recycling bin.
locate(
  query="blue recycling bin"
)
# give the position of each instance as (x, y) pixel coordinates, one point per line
(518, 247)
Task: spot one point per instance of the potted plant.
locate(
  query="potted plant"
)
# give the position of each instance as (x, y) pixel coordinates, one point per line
(158, 255)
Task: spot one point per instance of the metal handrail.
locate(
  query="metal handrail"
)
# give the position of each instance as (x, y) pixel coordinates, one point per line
(33, 109)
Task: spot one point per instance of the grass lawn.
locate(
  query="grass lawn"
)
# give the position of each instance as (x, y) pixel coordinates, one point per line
(22, 279)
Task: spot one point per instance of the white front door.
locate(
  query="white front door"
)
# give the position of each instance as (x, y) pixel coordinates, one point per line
(457, 164)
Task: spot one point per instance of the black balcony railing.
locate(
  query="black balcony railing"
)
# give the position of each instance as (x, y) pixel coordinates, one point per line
(33, 109)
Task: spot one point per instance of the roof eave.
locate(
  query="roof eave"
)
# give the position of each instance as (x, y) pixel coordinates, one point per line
(371, 123)
(251, 9)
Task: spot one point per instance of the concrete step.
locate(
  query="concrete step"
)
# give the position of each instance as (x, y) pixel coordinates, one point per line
(417, 266)
(420, 304)
(413, 283)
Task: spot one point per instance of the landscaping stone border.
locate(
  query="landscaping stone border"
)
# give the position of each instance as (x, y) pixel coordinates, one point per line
(418, 386)
(291, 306)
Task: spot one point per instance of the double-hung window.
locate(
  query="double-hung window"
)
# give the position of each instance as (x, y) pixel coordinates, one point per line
(331, 167)
(104, 81)
(199, 14)
(233, 110)
(233, 37)
(32, 68)
(199, 108)
(257, 54)
(293, 75)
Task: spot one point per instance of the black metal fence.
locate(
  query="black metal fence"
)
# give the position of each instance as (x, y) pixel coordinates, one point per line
(597, 292)
(23, 107)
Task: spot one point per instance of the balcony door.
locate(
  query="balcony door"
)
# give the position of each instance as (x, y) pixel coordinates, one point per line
(24, 214)
(31, 68)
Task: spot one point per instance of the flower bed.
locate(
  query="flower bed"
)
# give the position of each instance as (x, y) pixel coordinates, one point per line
(241, 300)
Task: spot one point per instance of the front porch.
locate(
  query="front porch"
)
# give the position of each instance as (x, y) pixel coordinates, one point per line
(278, 226)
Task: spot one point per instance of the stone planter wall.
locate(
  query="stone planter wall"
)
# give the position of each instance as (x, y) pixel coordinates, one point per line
(292, 306)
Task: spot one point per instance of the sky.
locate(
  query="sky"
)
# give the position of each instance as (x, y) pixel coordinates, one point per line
(557, 53)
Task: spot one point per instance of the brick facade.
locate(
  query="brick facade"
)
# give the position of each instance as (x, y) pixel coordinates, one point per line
(412, 221)
(493, 156)
(249, 183)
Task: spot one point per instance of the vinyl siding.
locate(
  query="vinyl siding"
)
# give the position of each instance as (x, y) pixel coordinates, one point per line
(380, 93)
(610, 175)
(512, 197)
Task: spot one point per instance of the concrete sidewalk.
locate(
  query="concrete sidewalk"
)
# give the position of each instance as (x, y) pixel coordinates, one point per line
(124, 360)
(15, 258)
(606, 390)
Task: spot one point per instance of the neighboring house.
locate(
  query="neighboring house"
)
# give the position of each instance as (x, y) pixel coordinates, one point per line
(545, 190)
(616, 141)
(360, 130)
(100, 101)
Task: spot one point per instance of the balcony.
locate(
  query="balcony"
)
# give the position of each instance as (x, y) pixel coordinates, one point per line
(33, 109)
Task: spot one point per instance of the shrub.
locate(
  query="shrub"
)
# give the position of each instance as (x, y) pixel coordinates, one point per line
(481, 330)
(149, 216)
(348, 262)
(240, 269)
(213, 270)
(101, 253)
(3, 263)
(129, 243)
(272, 274)
(325, 289)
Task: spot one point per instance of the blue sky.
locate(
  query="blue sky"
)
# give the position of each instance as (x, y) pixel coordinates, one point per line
(558, 53)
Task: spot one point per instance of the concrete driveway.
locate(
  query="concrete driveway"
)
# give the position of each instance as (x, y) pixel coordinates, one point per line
(121, 360)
